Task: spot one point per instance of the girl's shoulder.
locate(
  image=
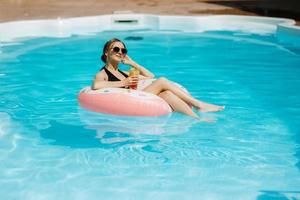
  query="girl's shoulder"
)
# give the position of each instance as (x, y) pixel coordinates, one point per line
(101, 74)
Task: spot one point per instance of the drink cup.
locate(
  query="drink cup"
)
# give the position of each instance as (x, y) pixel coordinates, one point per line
(134, 73)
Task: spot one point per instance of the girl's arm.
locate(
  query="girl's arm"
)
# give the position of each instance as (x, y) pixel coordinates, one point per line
(143, 71)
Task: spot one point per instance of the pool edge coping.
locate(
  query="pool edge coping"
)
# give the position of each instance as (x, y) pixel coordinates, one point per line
(65, 27)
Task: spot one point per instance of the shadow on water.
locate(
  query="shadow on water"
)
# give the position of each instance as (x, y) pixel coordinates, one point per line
(76, 136)
(134, 38)
(278, 195)
(106, 131)
(163, 125)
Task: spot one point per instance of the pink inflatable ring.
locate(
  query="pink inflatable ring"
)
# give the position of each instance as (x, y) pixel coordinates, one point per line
(118, 101)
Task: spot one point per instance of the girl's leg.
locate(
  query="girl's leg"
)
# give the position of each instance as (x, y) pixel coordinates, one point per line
(177, 104)
(162, 84)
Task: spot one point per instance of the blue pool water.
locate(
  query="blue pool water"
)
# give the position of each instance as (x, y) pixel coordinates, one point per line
(50, 148)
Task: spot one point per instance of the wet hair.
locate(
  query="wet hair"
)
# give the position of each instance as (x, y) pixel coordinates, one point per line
(107, 46)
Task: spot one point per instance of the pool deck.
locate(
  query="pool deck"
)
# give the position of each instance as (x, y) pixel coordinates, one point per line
(11, 10)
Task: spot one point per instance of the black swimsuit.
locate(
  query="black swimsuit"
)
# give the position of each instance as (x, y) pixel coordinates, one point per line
(112, 77)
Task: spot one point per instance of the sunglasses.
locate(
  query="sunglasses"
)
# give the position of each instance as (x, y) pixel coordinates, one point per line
(117, 50)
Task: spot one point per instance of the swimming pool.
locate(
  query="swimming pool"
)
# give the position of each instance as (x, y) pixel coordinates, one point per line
(50, 148)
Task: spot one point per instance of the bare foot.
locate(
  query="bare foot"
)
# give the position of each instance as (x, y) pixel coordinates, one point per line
(206, 107)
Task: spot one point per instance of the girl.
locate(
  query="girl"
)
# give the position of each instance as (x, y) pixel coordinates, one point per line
(114, 52)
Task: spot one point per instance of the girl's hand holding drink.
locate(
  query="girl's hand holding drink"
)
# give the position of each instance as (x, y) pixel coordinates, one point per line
(134, 75)
(132, 80)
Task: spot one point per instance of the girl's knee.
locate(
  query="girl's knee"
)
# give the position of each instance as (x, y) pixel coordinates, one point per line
(162, 79)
